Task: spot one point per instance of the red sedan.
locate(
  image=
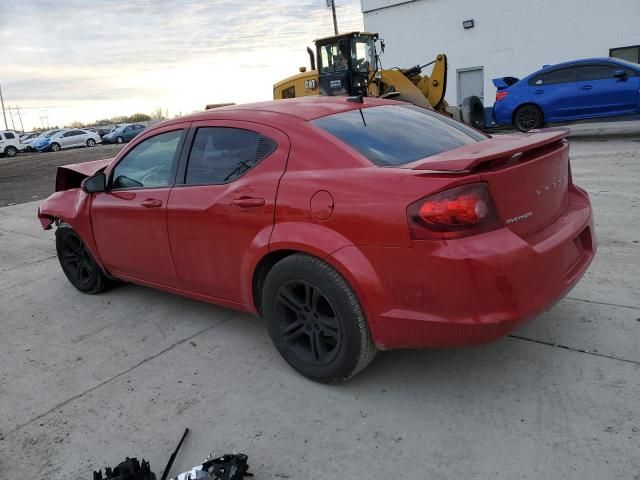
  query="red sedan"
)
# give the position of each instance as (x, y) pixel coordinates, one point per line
(350, 227)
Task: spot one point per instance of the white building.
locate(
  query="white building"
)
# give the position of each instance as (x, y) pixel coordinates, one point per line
(486, 39)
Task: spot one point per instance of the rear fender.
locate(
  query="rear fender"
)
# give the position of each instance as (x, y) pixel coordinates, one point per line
(71, 207)
(341, 254)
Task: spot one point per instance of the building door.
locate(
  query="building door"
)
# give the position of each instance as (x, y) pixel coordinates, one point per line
(470, 82)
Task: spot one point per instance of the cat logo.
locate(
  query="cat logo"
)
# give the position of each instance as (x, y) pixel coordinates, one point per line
(310, 84)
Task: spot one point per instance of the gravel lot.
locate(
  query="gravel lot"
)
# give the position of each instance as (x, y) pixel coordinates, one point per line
(31, 176)
(87, 380)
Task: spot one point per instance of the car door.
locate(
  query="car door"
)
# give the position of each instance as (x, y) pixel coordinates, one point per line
(63, 139)
(225, 203)
(129, 219)
(77, 138)
(129, 133)
(556, 92)
(603, 93)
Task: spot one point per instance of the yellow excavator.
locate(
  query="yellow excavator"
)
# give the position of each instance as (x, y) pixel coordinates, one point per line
(347, 64)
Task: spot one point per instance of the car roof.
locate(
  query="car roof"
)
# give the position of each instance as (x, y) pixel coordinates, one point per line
(302, 109)
(588, 60)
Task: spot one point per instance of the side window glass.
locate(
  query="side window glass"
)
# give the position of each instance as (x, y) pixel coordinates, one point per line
(148, 164)
(221, 154)
(596, 72)
(563, 75)
(9, 135)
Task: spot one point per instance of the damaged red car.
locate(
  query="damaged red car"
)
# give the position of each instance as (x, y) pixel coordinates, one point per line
(349, 227)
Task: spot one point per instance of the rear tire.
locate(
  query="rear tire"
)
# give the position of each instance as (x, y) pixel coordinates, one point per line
(91, 142)
(55, 147)
(315, 320)
(119, 140)
(528, 117)
(11, 151)
(77, 262)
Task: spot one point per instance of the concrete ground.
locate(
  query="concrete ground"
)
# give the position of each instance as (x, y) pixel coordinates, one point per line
(87, 380)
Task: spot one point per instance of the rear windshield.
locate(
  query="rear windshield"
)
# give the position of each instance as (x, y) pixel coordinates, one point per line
(394, 135)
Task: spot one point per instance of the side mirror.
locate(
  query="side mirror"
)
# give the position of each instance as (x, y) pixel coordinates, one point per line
(95, 184)
(619, 74)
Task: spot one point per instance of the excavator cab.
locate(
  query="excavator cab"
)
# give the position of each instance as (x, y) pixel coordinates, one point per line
(345, 62)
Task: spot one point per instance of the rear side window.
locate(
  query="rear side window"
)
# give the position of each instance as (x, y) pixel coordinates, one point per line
(563, 75)
(222, 154)
(9, 135)
(393, 135)
(149, 163)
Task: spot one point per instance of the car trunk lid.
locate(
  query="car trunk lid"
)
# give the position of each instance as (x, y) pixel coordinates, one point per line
(528, 175)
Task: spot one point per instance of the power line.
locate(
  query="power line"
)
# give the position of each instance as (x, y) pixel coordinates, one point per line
(6, 126)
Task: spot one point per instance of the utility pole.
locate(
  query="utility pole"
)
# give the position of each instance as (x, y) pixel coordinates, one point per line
(20, 117)
(332, 4)
(13, 125)
(6, 127)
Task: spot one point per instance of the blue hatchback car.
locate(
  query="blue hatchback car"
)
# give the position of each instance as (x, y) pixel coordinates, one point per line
(576, 90)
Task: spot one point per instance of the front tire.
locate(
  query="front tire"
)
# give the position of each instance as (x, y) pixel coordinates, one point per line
(55, 147)
(528, 117)
(91, 142)
(119, 140)
(11, 151)
(77, 262)
(315, 320)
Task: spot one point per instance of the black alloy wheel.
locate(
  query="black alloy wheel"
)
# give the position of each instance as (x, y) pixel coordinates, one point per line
(528, 117)
(307, 322)
(77, 262)
(315, 319)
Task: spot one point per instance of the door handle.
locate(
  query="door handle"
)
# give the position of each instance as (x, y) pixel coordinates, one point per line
(587, 87)
(248, 202)
(151, 203)
(539, 91)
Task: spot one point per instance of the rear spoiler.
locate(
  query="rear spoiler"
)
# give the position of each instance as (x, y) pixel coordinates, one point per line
(504, 82)
(499, 147)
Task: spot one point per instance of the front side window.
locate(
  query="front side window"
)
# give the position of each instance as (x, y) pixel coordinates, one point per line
(563, 75)
(9, 136)
(221, 154)
(149, 163)
(396, 135)
(601, 72)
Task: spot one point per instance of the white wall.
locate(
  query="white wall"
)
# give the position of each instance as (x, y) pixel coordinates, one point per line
(510, 38)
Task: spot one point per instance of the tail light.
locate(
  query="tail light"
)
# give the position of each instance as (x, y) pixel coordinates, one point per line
(500, 94)
(454, 213)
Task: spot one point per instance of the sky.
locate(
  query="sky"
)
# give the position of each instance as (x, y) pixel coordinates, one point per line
(73, 60)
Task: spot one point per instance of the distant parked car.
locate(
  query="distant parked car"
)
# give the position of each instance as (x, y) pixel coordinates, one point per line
(42, 140)
(123, 133)
(10, 143)
(575, 90)
(68, 138)
(103, 131)
(27, 139)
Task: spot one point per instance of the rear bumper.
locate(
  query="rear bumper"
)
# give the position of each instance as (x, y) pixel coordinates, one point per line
(477, 289)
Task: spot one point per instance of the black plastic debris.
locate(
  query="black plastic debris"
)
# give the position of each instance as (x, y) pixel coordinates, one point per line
(130, 469)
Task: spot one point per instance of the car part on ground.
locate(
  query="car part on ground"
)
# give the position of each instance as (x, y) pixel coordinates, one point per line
(346, 225)
(130, 469)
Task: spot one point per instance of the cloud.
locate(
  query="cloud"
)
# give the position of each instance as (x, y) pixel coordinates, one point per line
(178, 54)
